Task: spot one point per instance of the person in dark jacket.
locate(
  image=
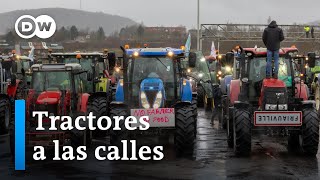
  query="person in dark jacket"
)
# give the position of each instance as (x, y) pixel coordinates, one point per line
(272, 36)
(312, 32)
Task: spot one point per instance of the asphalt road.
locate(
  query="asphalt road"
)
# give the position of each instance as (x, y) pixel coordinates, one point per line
(212, 160)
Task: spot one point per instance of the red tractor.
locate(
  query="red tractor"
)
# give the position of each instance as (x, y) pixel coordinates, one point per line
(11, 89)
(57, 89)
(270, 106)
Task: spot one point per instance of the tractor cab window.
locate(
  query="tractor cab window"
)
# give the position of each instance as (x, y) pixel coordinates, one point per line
(51, 81)
(152, 67)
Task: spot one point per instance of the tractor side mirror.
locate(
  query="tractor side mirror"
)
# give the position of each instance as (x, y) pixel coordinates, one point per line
(229, 60)
(192, 59)
(312, 59)
(89, 76)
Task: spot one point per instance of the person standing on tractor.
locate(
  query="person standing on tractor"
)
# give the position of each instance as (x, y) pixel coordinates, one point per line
(272, 36)
(307, 30)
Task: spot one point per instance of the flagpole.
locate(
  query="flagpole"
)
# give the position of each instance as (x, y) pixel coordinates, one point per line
(198, 26)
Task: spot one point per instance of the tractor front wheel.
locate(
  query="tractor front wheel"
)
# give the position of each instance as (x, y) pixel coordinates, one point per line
(310, 131)
(185, 131)
(4, 115)
(242, 132)
(200, 96)
(99, 106)
(117, 135)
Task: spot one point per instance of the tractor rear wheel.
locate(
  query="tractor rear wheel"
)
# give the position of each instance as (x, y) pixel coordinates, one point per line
(242, 132)
(81, 138)
(310, 131)
(99, 106)
(184, 138)
(4, 115)
(200, 96)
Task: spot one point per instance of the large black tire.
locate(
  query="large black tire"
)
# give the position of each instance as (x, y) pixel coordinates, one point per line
(224, 112)
(184, 138)
(230, 130)
(5, 115)
(310, 131)
(99, 106)
(242, 132)
(195, 112)
(123, 134)
(200, 96)
(12, 137)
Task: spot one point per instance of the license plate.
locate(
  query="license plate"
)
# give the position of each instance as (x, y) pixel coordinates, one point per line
(161, 117)
(277, 118)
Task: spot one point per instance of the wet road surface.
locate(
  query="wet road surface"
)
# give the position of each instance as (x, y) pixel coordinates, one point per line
(212, 160)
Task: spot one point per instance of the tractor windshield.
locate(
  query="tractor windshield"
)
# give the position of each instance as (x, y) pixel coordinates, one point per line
(258, 70)
(152, 67)
(46, 81)
(84, 62)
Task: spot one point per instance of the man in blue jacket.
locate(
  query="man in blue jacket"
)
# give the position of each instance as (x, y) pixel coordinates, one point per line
(272, 36)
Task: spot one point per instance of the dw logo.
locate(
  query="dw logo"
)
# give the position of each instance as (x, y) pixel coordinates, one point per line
(43, 26)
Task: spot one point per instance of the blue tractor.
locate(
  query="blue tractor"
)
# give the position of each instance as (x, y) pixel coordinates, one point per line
(154, 84)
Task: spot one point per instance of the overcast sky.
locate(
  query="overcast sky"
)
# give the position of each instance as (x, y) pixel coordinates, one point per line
(183, 12)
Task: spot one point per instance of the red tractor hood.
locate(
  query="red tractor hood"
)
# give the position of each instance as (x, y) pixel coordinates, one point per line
(274, 83)
(49, 97)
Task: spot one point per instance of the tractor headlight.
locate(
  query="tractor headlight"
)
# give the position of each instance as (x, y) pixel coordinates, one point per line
(144, 101)
(157, 102)
(228, 68)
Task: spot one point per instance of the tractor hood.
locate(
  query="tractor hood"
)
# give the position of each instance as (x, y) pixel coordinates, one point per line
(49, 97)
(273, 83)
(152, 93)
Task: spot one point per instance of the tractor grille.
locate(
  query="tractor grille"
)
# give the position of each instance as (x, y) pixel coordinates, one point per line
(275, 96)
(151, 95)
(151, 86)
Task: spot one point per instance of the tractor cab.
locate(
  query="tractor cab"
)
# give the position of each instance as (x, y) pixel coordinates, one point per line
(154, 84)
(58, 90)
(254, 71)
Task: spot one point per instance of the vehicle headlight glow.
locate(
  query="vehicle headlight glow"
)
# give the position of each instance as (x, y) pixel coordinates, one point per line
(200, 75)
(189, 70)
(202, 59)
(228, 68)
(219, 72)
(144, 101)
(157, 102)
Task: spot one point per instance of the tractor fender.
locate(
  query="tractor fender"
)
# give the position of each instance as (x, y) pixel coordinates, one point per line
(186, 91)
(224, 83)
(301, 91)
(308, 104)
(12, 89)
(234, 91)
(120, 91)
(84, 102)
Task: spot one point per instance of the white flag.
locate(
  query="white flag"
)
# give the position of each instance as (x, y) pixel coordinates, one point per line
(213, 51)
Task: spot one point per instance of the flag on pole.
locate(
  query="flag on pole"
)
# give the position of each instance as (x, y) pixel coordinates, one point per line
(213, 51)
(188, 45)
